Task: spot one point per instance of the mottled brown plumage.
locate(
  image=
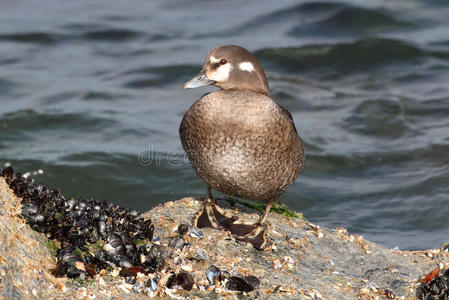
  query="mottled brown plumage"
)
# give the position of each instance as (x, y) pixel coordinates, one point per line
(238, 140)
(242, 144)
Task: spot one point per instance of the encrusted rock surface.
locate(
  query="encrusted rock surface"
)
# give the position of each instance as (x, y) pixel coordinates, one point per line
(304, 262)
(25, 260)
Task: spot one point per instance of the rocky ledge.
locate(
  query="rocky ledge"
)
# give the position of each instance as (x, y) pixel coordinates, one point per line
(304, 262)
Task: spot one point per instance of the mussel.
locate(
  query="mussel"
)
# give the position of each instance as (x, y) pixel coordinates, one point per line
(182, 279)
(177, 242)
(242, 284)
(77, 223)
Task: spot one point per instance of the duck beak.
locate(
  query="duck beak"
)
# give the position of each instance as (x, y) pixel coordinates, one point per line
(198, 81)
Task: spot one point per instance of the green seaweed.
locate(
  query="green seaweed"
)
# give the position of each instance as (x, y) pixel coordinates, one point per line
(98, 245)
(260, 206)
(52, 246)
(58, 215)
(139, 242)
(284, 210)
(78, 282)
(79, 252)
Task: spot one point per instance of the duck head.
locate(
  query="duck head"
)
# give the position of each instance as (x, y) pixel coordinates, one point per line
(231, 67)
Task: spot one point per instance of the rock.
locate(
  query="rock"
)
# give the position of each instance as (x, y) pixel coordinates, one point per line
(25, 260)
(27, 264)
(305, 261)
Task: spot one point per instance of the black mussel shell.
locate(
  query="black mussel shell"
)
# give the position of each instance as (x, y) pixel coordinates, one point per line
(177, 242)
(182, 279)
(184, 229)
(8, 173)
(77, 223)
(186, 280)
(30, 208)
(172, 281)
(253, 281)
(246, 284)
(103, 229)
(126, 238)
(70, 263)
(76, 273)
(36, 219)
(213, 274)
(125, 262)
(115, 244)
(155, 251)
(118, 260)
(132, 272)
(155, 264)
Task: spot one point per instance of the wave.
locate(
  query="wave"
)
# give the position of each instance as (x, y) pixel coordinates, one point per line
(160, 76)
(365, 53)
(324, 19)
(347, 20)
(112, 35)
(32, 37)
(6, 86)
(377, 117)
(27, 121)
(93, 34)
(99, 95)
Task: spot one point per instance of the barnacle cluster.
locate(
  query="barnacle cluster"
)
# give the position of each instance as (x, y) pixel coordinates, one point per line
(98, 235)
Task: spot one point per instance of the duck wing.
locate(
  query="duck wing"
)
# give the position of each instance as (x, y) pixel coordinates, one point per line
(289, 115)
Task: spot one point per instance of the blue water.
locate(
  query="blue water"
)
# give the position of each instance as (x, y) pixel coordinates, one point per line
(91, 93)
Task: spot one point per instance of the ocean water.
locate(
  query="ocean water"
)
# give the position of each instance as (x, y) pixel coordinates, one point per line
(91, 93)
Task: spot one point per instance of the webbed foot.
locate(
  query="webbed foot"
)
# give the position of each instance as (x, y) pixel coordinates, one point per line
(253, 233)
(210, 215)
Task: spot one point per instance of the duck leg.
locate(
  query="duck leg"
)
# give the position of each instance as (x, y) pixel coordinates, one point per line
(211, 215)
(254, 233)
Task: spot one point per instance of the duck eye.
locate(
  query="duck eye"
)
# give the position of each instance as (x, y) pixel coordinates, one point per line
(223, 61)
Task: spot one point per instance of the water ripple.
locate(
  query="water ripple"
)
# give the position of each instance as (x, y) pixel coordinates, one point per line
(112, 35)
(158, 76)
(377, 117)
(341, 19)
(366, 53)
(43, 38)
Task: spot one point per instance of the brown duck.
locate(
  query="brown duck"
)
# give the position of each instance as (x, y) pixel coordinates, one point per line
(239, 141)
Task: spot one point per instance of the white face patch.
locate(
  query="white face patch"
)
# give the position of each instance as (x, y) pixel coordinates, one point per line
(246, 66)
(220, 74)
(213, 59)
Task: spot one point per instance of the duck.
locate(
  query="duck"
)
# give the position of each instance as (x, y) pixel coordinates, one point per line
(239, 141)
